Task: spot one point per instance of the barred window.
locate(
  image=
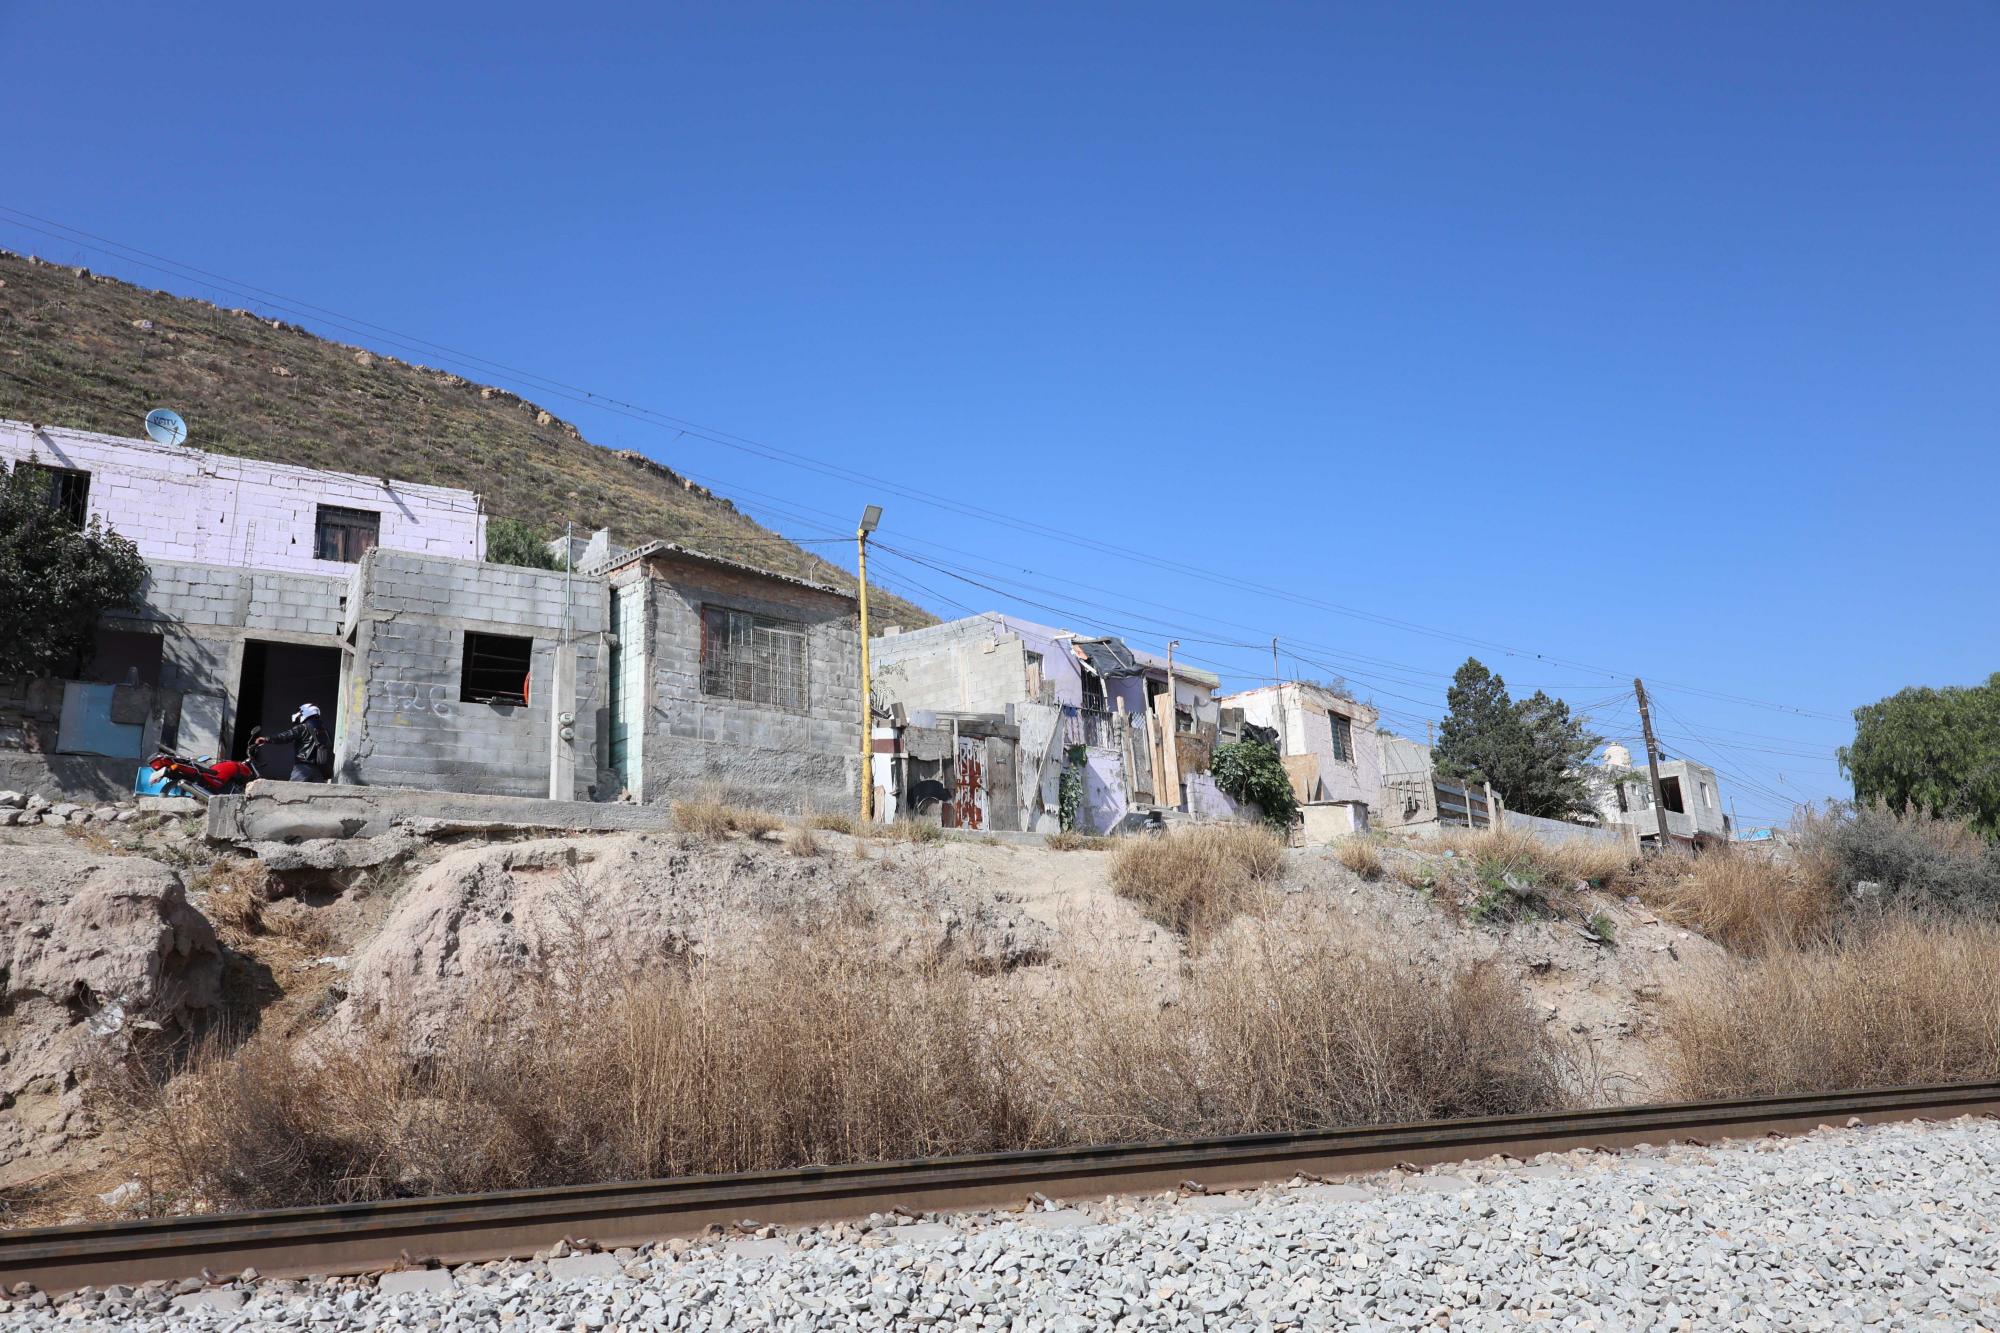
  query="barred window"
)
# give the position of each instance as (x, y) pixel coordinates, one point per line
(345, 534)
(753, 658)
(1343, 738)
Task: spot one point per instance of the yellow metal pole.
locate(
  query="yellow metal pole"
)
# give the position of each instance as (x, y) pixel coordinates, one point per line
(867, 705)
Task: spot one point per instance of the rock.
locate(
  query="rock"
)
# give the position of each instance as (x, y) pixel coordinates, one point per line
(63, 810)
(12, 800)
(126, 816)
(582, 1267)
(485, 912)
(105, 813)
(415, 1280)
(90, 942)
(9, 818)
(36, 804)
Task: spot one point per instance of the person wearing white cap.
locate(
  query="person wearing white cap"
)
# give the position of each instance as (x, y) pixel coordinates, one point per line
(312, 748)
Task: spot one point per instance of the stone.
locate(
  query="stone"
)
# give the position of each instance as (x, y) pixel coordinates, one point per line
(1337, 1194)
(769, 1248)
(12, 800)
(1056, 1219)
(116, 929)
(584, 1267)
(1215, 1203)
(920, 1233)
(404, 1282)
(1437, 1184)
(222, 1300)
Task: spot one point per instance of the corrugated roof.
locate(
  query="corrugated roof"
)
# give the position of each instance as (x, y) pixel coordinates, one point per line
(721, 562)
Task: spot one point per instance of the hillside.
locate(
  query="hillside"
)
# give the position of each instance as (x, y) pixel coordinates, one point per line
(84, 350)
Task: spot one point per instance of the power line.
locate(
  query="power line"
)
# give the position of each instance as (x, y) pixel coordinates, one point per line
(69, 234)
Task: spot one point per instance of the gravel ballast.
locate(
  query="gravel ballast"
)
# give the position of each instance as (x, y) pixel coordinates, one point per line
(1889, 1226)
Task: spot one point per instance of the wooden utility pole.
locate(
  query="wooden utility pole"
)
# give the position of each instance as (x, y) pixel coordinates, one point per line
(1652, 761)
(1276, 678)
(869, 518)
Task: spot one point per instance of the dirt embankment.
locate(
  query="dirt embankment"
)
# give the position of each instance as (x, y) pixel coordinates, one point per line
(173, 933)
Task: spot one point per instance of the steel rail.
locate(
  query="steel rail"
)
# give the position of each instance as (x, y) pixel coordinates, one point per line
(360, 1237)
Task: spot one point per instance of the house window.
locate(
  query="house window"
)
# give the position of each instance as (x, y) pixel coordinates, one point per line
(1624, 805)
(1670, 795)
(1708, 796)
(753, 658)
(1093, 694)
(495, 669)
(345, 534)
(1343, 738)
(66, 489)
(1034, 676)
(1184, 721)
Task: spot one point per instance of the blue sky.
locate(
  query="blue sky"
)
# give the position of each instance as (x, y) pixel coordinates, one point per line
(1652, 339)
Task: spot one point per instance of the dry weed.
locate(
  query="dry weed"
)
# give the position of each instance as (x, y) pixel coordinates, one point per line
(711, 817)
(911, 830)
(1193, 880)
(1548, 865)
(800, 840)
(829, 822)
(1069, 840)
(1361, 855)
(1741, 901)
(823, 1047)
(1901, 1000)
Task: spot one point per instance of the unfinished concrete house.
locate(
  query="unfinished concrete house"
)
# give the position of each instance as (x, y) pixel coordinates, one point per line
(1693, 798)
(472, 677)
(992, 707)
(720, 676)
(242, 613)
(1331, 751)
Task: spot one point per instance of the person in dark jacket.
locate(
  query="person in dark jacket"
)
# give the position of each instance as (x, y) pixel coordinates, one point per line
(312, 748)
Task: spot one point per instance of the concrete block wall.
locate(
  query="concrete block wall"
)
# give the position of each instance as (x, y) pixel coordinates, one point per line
(405, 722)
(776, 758)
(184, 504)
(977, 664)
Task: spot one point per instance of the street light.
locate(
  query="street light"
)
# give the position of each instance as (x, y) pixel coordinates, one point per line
(871, 518)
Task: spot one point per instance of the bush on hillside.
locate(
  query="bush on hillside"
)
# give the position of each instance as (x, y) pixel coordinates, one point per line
(509, 541)
(1916, 859)
(1193, 880)
(1252, 771)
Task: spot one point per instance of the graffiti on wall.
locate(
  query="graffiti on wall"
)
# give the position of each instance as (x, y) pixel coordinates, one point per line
(407, 696)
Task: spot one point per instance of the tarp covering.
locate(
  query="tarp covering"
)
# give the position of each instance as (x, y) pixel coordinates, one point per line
(1109, 657)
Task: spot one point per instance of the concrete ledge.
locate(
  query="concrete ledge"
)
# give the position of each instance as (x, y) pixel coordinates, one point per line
(301, 811)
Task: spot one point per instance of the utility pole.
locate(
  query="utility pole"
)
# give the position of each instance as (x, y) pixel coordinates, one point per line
(1171, 726)
(870, 517)
(1276, 679)
(1652, 762)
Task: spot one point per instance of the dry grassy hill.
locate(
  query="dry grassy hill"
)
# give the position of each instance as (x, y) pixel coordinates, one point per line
(83, 350)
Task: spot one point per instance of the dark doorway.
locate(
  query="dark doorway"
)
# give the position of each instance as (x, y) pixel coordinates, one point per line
(277, 678)
(1670, 795)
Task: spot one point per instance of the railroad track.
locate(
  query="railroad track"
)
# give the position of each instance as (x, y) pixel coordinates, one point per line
(360, 1237)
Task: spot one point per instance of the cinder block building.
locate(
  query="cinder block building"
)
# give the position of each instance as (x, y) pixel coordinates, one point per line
(646, 674)
(727, 677)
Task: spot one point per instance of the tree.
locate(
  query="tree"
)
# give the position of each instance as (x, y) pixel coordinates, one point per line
(1533, 751)
(58, 579)
(1934, 750)
(509, 541)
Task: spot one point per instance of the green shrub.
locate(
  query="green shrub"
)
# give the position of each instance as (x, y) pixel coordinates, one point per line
(1252, 771)
(1916, 859)
(509, 541)
(58, 578)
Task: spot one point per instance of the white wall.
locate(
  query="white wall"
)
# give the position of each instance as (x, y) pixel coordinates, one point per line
(181, 504)
(1299, 712)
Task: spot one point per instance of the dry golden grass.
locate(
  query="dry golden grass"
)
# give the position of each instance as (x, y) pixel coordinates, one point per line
(800, 840)
(713, 817)
(1361, 855)
(910, 830)
(285, 935)
(829, 822)
(1193, 880)
(1743, 902)
(1069, 840)
(817, 1050)
(1558, 865)
(1895, 1001)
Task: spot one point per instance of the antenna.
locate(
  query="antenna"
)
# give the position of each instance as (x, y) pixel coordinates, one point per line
(165, 426)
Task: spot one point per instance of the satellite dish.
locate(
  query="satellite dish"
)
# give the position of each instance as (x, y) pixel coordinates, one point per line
(165, 426)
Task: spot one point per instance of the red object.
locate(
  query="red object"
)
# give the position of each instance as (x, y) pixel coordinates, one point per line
(214, 779)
